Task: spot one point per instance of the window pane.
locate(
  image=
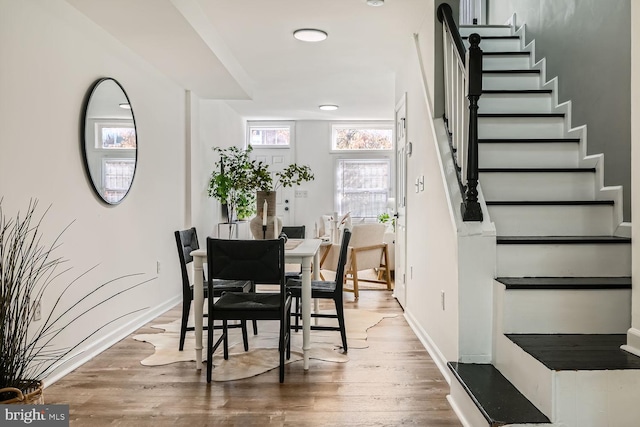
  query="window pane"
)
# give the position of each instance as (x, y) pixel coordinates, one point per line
(355, 138)
(363, 187)
(269, 136)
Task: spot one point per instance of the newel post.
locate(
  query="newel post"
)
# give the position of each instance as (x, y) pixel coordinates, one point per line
(470, 208)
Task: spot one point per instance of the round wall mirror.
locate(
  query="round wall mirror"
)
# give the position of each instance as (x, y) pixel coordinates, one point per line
(110, 140)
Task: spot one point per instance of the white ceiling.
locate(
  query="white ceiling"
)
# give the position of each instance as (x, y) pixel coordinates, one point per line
(243, 51)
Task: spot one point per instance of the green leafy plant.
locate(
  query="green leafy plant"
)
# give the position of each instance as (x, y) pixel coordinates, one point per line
(385, 218)
(28, 268)
(233, 181)
(236, 178)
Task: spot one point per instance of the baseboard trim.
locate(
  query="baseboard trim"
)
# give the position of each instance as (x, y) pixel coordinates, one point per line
(633, 342)
(82, 356)
(429, 345)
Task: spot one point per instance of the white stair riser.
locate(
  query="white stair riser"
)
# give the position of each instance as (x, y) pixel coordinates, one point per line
(510, 81)
(499, 62)
(531, 377)
(497, 45)
(521, 127)
(544, 311)
(528, 155)
(538, 186)
(552, 220)
(597, 398)
(515, 103)
(563, 260)
(467, 30)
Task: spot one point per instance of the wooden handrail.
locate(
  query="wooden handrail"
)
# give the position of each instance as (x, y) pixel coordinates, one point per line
(463, 87)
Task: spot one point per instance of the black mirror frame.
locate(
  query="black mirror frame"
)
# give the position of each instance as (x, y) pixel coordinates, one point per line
(83, 142)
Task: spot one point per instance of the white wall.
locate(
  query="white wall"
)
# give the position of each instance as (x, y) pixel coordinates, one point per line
(51, 55)
(217, 126)
(432, 241)
(633, 336)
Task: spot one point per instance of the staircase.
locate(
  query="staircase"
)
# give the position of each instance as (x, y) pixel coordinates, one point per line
(562, 296)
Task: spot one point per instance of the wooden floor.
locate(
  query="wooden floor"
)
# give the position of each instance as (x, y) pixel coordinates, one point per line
(393, 382)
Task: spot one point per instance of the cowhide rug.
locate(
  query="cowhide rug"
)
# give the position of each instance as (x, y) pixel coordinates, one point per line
(263, 348)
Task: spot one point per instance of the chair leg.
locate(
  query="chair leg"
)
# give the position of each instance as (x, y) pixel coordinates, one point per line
(186, 307)
(245, 338)
(226, 340)
(282, 349)
(297, 311)
(255, 322)
(356, 294)
(210, 329)
(343, 330)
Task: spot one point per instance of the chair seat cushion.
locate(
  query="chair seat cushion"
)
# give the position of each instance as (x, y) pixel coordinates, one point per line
(236, 301)
(220, 286)
(318, 287)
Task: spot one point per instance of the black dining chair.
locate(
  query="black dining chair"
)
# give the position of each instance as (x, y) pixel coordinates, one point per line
(187, 241)
(326, 289)
(294, 231)
(260, 261)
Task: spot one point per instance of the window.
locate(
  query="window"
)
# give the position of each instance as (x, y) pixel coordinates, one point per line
(362, 186)
(269, 135)
(117, 175)
(352, 137)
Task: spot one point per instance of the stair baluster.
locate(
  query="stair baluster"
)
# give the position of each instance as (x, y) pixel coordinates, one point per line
(463, 83)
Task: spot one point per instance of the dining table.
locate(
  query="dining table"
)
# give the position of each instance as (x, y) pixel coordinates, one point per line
(304, 252)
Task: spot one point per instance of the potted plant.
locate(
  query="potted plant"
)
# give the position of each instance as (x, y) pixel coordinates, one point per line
(28, 348)
(233, 183)
(238, 181)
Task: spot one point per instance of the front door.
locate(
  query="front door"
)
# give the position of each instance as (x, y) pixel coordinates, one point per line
(277, 159)
(400, 291)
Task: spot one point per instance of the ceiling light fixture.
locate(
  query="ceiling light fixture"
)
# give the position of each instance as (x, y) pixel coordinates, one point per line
(375, 2)
(328, 107)
(125, 105)
(310, 35)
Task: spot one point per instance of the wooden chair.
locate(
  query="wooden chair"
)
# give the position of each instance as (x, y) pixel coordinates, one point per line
(187, 241)
(324, 289)
(260, 261)
(367, 251)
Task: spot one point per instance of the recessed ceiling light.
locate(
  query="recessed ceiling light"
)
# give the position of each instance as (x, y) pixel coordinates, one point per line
(328, 107)
(375, 2)
(310, 35)
(125, 105)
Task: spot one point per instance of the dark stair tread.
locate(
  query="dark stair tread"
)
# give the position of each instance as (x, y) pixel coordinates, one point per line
(533, 240)
(498, 400)
(521, 115)
(496, 37)
(484, 26)
(527, 140)
(576, 352)
(537, 170)
(508, 53)
(515, 71)
(516, 91)
(565, 283)
(549, 202)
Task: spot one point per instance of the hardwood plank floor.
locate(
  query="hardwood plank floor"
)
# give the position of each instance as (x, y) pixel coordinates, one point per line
(394, 382)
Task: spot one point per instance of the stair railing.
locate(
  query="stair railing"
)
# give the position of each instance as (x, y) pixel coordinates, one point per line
(463, 87)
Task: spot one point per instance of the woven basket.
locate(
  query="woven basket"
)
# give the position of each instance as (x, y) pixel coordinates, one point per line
(31, 394)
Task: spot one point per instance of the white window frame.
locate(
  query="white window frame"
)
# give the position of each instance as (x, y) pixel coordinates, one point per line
(271, 125)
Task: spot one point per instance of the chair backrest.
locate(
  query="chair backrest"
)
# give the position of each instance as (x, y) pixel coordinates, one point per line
(186, 241)
(294, 231)
(342, 259)
(261, 261)
(364, 235)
